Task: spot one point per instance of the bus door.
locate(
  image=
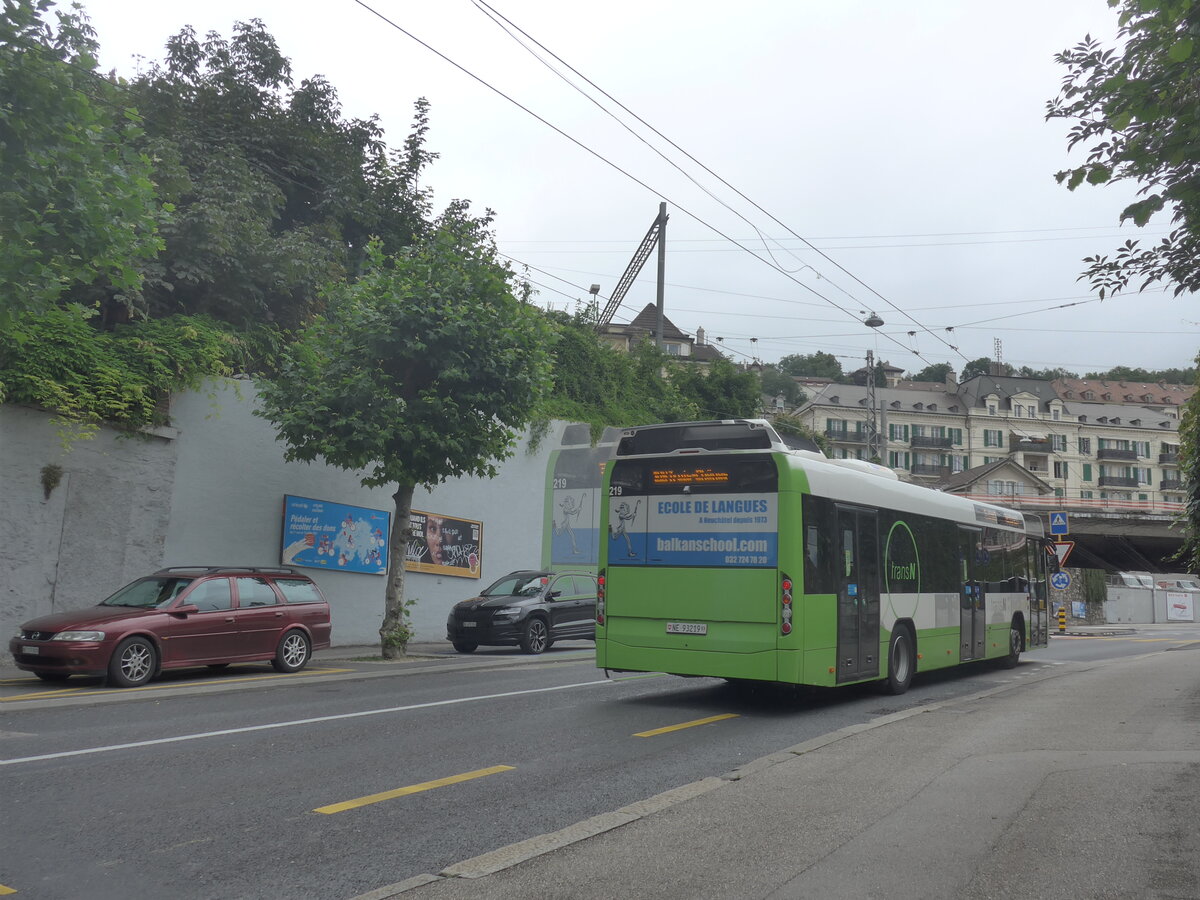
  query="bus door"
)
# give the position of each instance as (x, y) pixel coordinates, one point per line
(858, 594)
(972, 612)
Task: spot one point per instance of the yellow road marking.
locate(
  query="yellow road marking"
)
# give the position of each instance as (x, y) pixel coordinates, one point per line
(683, 725)
(7, 890)
(75, 692)
(41, 695)
(411, 789)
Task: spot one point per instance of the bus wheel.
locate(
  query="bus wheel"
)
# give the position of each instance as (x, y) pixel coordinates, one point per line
(901, 661)
(1013, 657)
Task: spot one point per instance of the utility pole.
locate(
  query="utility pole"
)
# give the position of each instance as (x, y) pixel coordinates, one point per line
(873, 453)
(661, 222)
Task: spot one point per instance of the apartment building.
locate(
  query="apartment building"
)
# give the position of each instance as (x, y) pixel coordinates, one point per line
(1094, 453)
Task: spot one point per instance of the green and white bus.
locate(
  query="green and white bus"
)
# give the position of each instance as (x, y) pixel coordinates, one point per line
(725, 553)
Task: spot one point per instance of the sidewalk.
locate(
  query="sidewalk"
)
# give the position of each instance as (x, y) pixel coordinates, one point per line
(1079, 783)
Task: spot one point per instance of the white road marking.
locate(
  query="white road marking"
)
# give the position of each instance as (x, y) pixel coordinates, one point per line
(249, 728)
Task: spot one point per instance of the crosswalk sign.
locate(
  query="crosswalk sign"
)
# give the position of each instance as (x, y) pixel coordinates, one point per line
(1058, 523)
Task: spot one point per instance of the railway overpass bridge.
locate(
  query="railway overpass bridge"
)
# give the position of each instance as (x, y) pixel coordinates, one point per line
(1115, 535)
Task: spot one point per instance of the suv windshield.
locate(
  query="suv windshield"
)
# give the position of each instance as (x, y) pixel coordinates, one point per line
(527, 585)
(148, 593)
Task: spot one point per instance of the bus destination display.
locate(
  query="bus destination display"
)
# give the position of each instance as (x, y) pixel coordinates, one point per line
(698, 475)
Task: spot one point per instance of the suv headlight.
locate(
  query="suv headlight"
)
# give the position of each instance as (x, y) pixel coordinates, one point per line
(507, 614)
(79, 636)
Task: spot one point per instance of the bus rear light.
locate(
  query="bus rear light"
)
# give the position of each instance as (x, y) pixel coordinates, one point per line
(600, 599)
(785, 600)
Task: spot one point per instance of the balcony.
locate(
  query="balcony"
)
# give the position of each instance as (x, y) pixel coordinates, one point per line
(1171, 484)
(1113, 453)
(920, 440)
(1026, 443)
(1121, 481)
(929, 469)
(846, 437)
(1168, 459)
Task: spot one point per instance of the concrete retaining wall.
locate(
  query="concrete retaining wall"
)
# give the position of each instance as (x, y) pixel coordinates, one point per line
(209, 491)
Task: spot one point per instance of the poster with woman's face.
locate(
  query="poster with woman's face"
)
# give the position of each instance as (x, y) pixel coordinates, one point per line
(443, 545)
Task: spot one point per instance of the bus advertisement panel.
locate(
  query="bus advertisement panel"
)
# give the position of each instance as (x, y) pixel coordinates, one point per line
(717, 530)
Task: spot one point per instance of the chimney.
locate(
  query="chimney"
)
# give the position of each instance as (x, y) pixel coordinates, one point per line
(951, 381)
(700, 335)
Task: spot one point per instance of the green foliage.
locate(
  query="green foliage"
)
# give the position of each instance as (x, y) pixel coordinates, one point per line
(790, 423)
(420, 370)
(935, 372)
(1045, 374)
(1135, 109)
(776, 382)
(1147, 376)
(722, 391)
(975, 368)
(60, 361)
(595, 383)
(820, 365)
(275, 193)
(77, 204)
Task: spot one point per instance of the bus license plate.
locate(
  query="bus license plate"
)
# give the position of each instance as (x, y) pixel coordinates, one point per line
(687, 628)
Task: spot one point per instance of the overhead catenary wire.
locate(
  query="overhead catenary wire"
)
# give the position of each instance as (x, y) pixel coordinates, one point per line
(609, 162)
(482, 3)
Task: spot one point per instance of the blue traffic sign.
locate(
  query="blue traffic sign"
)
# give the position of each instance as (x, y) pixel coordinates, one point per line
(1060, 581)
(1058, 523)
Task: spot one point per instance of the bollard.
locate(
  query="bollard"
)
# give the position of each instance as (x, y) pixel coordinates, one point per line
(1062, 619)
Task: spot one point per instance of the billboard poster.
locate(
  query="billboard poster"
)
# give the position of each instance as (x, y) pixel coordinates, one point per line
(1179, 607)
(324, 535)
(443, 545)
(678, 530)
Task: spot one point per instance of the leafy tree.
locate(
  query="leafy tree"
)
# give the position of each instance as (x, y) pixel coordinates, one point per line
(418, 372)
(820, 365)
(275, 192)
(1146, 376)
(1045, 374)
(976, 367)
(1135, 109)
(776, 382)
(935, 372)
(76, 200)
(723, 391)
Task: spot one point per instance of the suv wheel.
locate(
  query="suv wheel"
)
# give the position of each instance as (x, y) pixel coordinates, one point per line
(535, 637)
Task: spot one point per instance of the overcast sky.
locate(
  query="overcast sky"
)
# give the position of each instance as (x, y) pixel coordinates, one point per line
(907, 141)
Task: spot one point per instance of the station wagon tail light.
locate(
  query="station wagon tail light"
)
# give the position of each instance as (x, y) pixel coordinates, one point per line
(600, 599)
(785, 602)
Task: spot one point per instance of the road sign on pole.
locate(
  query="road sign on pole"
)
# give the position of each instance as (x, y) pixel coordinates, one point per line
(1062, 549)
(1060, 581)
(1059, 523)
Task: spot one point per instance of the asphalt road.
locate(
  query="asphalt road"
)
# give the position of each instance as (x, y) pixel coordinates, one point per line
(358, 776)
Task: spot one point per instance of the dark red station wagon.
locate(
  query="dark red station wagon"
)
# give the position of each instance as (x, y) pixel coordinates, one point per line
(181, 617)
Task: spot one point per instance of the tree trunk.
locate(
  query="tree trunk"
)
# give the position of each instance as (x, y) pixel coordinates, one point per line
(394, 632)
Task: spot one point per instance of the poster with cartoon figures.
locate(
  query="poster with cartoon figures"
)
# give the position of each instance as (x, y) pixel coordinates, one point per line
(443, 545)
(324, 535)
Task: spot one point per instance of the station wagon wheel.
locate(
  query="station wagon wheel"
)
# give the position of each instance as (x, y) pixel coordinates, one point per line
(534, 637)
(292, 653)
(132, 663)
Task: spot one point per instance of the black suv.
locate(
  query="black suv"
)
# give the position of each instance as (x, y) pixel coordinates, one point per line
(530, 608)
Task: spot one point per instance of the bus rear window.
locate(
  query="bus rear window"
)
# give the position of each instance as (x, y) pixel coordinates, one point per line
(695, 436)
(694, 475)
